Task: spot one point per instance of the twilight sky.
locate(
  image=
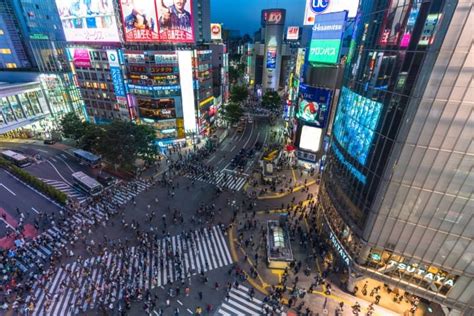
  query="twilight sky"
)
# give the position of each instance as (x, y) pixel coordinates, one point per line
(244, 15)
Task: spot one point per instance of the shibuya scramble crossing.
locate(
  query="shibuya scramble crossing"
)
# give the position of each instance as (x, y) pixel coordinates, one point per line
(217, 157)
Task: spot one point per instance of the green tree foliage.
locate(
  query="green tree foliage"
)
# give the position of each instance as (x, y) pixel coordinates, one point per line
(119, 143)
(72, 126)
(232, 112)
(238, 94)
(271, 100)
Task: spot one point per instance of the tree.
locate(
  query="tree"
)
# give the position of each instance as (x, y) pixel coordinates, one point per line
(232, 112)
(147, 149)
(72, 126)
(271, 99)
(238, 94)
(91, 140)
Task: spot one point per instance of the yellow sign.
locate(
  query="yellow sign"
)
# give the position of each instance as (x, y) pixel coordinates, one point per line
(204, 102)
(180, 127)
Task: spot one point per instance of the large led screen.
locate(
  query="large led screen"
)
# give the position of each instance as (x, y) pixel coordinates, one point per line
(271, 57)
(313, 105)
(158, 21)
(310, 138)
(355, 123)
(88, 21)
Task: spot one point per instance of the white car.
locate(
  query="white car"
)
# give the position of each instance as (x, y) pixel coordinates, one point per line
(250, 120)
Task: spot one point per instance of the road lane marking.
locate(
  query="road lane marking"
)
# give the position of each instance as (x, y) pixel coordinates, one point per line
(43, 151)
(212, 158)
(34, 210)
(179, 302)
(66, 163)
(232, 149)
(59, 173)
(53, 159)
(5, 187)
(6, 223)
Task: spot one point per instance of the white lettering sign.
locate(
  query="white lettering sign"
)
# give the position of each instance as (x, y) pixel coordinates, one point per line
(423, 273)
(328, 51)
(340, 250)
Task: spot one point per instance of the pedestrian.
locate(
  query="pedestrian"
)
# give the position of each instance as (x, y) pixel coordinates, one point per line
(200, 295)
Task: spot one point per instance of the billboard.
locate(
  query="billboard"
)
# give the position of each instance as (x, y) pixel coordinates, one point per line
(271, 57)
(313, 105)
(216, 31)
(292, 33)
(429, 29)
(326, 38)
(158, 21)
(88, 21)
(273, 16)
(310, 138)
(316, 7)
(116, 73)
(355, 123)
(81, 57)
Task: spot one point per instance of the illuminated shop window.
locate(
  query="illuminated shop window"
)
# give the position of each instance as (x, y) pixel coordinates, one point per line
(11, 65)
(5, 51)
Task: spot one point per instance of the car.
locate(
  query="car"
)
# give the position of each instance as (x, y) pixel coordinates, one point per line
(235, 125)
(240, 129)
(250, 120)
(49, 141)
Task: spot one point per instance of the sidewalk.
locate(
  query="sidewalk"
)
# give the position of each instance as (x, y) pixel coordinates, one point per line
(248, 248)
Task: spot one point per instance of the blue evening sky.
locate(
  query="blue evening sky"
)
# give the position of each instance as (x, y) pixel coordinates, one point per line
(244, 15)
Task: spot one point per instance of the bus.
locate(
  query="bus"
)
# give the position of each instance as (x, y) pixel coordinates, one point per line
(86, 183)
(87, 158)
(17, 158)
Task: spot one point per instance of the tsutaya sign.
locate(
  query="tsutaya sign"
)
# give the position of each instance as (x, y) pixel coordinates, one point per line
(340, 250)
(423, 273)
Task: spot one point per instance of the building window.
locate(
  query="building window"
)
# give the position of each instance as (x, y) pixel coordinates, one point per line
(1, 32)
(11, 65)
(5, 51)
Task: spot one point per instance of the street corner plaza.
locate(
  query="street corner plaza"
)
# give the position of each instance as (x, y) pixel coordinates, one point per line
(104, 280)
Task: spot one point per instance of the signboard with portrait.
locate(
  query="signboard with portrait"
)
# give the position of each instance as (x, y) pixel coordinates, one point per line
(315, 7)
(216, 31)
(271, 57)
(158, 21)
(313, 105)
(88, 21)
(292, 33)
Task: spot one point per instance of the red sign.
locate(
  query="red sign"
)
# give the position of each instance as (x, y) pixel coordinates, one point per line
(292, 33)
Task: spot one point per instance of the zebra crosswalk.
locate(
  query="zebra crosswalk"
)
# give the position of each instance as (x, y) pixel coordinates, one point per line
(66, 188)
(32, 256)
(240, 303)
(221, 179)
(104, 280)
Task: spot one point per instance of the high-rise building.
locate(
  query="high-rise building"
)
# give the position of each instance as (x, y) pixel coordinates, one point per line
(395, 200)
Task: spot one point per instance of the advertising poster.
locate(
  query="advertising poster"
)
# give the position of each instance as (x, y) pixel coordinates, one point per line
(216, 31)
(393, 22)
(292, 33)
(310, 138)
(271, 57)
(326, 38)
(316, 7)
(158, 21)
(81, 58)
(175, 19)
(88, 21)
(313, 105)
(429, 29)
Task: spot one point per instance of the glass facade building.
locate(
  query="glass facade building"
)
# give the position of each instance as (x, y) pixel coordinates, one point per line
(396, 193)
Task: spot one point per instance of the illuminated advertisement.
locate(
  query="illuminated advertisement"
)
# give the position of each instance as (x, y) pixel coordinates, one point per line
(216, 31)
(326, 38)
(187, 89)
(313, 105)
(315, 7)
(271, 57)
(310, 138)
(158, 21)
(81, 57)
(156, 109)
(391, 29)
(292, 33)
(415, 9)
(429, 29)
(88, 21)
(273, 16)
(166, 59)
(299, 62)
(116, 73)
(355, 123)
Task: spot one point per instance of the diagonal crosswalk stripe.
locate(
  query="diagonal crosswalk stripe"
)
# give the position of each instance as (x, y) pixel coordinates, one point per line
(221, 178)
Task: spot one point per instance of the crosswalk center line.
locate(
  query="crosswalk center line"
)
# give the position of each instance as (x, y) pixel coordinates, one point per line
(219, 231)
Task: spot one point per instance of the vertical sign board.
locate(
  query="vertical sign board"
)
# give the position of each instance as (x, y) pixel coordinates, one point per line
(326, 39)
(116, 73)
(271, 57)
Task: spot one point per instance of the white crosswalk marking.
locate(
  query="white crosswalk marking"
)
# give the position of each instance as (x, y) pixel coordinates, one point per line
(240, 303)
(221, 178)
(173, 258)
(66, 188)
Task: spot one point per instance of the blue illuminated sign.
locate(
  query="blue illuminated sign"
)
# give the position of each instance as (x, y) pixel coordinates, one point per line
(319, 6)
(355, 123)
(359, 176)
(117, 80)
(154, 88)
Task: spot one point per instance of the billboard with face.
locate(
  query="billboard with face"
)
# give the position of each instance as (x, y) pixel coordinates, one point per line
(88, 21)
(158, 21)
(313, 106)
(216, 31)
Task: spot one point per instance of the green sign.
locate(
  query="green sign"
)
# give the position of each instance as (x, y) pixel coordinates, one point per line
(324, 51)
(37, 36)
